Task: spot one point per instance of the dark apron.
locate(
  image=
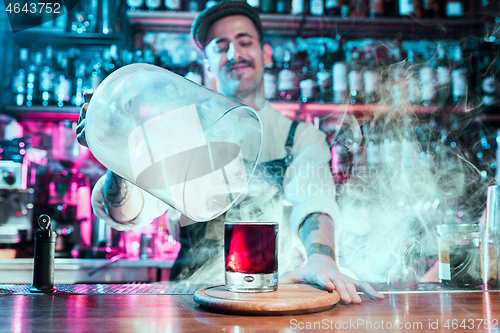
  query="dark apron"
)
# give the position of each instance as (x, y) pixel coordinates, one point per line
(196, 250)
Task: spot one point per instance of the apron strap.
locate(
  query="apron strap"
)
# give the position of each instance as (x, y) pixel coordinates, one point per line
(289, 142)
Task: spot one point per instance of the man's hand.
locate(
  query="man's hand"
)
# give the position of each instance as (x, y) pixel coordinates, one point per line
(322, 270)
(80, 129)
(316, 233)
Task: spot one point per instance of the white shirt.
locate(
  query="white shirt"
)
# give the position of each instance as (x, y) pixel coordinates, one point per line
(308, 183)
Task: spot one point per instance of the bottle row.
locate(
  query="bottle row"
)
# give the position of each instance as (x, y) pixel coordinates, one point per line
(382, 146)
(343, 8)
(427, 74)
(59, 78)
(423, 73)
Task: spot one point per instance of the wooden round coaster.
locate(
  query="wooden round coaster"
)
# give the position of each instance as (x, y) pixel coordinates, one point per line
(288, 299)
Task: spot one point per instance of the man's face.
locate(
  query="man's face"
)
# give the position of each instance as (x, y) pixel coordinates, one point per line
(235, 58)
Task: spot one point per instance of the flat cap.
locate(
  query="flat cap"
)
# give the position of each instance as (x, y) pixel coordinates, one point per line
(201, 24)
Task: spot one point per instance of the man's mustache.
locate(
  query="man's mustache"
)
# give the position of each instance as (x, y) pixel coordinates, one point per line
(249, 63)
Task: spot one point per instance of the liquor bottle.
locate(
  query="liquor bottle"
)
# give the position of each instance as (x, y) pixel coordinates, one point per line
(413, 83)
(148, 56)
(454, 9)
(268, 6)
(153, 5)
(489, 82)
(399, 82)
(300, 7)
(332, 7)
(355, 77)
(79, 84)
(91, 8)
(376, 8)
(443, 72)
(410, 8)
(107, 66)
(301, 66)
(64, 86)
(345, 9)
(382, 61)
(340, 83)
(135, 4)
(341, 161)
(57, 73)
(427, 76)
(193, 5)
(316, 7)
(47, 77)
(288, 85)
(173, 5)
(270, 81)
(371, 78)
(114, 58)
(138, 57)
(33, 95)
(324, 77)
(432, 9)
(97, 75)
(283, 6)
(19, 79)
(307, 86)
(127, 57)
(307, 82)
(390, 146)
(459, 78)
(359, 8)
(372, 144)
(406, 8)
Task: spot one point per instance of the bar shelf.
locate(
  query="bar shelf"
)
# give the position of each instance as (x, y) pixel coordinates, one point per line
(58, 38)
(305, 111)
(308, 111)
(309, 26)
(46, 113)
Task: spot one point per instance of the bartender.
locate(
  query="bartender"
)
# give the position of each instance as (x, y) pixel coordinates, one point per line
(230, 37)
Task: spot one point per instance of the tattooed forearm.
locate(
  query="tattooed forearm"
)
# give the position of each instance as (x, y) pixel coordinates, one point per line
(316, 233)
(116, 190)
(310, 223)
(320, 249)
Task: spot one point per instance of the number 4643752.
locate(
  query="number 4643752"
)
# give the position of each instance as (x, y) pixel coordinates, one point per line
(34, 8)
(471, 324)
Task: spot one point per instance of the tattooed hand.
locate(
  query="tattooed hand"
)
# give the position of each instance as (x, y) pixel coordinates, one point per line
(317, 235)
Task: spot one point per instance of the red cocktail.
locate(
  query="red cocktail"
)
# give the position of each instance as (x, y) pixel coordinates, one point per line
(251, 256)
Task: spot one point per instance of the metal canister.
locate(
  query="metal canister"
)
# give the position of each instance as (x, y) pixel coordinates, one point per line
(459, 255)
(43, 269)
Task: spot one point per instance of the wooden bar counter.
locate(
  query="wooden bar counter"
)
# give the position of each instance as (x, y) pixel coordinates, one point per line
(173, 310)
